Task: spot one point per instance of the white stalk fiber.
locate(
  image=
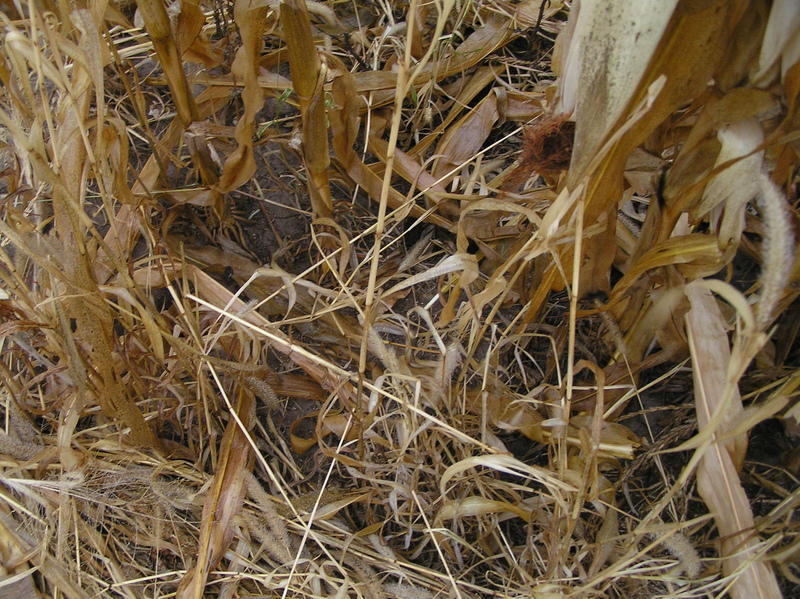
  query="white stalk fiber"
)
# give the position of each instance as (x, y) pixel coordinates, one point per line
(781, 47)
(727, 194)
(726, 198)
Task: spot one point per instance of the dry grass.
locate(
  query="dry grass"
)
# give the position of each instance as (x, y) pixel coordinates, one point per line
(399, 299)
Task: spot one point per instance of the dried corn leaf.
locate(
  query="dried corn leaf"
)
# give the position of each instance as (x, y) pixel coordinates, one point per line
(681, 49)
(464, 140)
(711, 356)
(420, 413)
(308, 81)
(190, 38)
(344, 128)
(696, 255)
(216, 297)
(250, 17)
(508, 465)
(224, 499)
(611, 47)
(496, 31)
(780, 50)
(408, 168)
(158, 27)
(330, 424)
(718, 404)
(468, 91)
(464, 263)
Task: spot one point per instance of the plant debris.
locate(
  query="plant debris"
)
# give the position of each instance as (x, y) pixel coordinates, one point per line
(399, 299)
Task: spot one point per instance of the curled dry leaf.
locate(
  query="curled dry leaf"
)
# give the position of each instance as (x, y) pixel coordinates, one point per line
(224, 499)
(736, 185)
(250, 18)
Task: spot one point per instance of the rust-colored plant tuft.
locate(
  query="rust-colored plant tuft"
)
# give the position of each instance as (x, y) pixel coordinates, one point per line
(546, 149)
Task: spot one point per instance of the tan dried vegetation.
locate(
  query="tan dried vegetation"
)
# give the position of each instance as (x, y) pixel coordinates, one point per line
(415, 299)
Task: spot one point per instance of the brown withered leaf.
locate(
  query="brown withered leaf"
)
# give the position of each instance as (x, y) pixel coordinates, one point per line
(465, 138)
(308, 81)
(496, 31)
(468, 89)
(190, 37)
(161, 35)
(344, 127)
(250, 17)
(331, 424)
(407, 167)
(224, 499)
(696, 255)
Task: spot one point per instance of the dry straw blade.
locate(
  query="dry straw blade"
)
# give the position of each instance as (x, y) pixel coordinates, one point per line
(428, 359)
(308, 79)
(718, 404)
(240, 166)
(224, 499)
(160, 33)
